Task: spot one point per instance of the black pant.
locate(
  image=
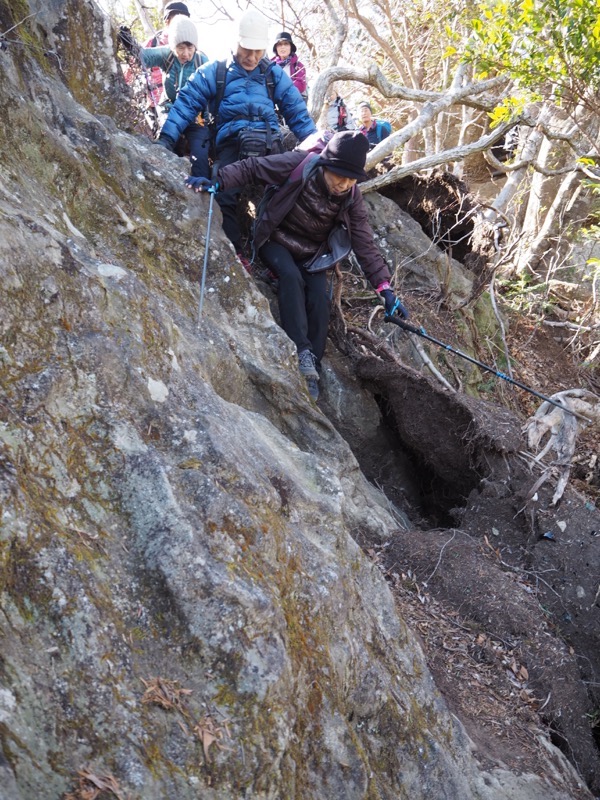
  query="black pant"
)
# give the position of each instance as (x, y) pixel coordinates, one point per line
(303, 299)
(228, 201)
(228, 153)
(198, 137)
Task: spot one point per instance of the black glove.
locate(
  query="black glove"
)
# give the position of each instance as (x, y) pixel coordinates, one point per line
(393, 305)
(202, 184)
(125, 38)
(166, 142)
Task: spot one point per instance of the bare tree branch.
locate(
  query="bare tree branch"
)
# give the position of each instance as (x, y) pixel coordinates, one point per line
(341, 33)
(429, 162)
(469, 94)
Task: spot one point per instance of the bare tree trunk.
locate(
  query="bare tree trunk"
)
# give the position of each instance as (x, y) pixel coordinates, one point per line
(532, 220)
(544, 242)
(411, 148)
(341, 32)
(473, 168)
(145, 19)
(540, 233)
(529, 152)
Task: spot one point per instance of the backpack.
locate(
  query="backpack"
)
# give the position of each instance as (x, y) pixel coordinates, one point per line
(171, 60)
(263, 64)
(342, 115)
(383, 126)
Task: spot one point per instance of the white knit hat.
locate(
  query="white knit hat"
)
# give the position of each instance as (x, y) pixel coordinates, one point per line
(181, 30)
(253, 30)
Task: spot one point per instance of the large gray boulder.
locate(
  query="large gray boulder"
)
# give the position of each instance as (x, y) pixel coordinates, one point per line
(185, 612)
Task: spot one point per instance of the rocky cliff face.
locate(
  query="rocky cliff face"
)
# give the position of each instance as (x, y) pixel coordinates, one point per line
(185, 612)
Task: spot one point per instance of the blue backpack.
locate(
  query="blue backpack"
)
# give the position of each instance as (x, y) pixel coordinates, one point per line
(383, 125)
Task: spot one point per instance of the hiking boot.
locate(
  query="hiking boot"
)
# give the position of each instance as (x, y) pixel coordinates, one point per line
(247, 265)
(307, 363)
(312, 384)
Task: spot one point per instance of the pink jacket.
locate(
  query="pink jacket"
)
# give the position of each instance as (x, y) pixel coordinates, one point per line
(295, 69)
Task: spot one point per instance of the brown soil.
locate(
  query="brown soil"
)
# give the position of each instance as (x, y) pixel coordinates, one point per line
(508, 617)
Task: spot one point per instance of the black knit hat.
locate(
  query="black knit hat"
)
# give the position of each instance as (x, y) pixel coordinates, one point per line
(284, 37)
(346, 154)
(175, 7)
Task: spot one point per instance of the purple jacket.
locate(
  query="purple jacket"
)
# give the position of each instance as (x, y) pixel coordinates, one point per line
(274, 171)
(295, 69)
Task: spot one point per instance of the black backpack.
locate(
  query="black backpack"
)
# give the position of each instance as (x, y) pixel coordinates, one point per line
(171, 60)
(264, 65)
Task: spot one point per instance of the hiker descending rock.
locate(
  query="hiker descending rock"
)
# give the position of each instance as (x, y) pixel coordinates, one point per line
(285, 56)
(178, 61)
(240, 94)
(310, 218)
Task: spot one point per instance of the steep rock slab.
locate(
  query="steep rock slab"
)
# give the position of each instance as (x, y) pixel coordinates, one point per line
(184, 608)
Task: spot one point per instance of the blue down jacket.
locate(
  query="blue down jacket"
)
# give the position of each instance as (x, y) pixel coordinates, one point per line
(246, 102)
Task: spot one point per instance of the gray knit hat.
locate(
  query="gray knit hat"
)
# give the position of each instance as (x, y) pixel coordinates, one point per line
(182, 30)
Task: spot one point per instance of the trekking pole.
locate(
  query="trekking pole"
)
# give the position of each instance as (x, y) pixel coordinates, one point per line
(421, 332)
(212, 192)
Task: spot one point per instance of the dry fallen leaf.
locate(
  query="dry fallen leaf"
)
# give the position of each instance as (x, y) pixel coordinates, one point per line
(166, 694)
(209, 733)
(91, 786)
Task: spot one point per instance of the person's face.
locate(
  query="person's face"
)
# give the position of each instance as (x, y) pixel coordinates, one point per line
(337, 184)
(185, 52)
(283, 49)
(171, 17)
(365, 116)
(248, 59)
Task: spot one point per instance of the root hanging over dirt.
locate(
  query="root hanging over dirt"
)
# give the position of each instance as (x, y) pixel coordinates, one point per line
(444, 208)
(500, 583)
(560, 430)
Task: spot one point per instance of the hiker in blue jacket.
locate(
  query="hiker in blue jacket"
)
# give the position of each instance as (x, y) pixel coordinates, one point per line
(376, 130)
(246, 120)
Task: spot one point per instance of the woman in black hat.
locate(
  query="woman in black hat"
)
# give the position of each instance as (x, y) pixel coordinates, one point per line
(313, 218)
(285, 55)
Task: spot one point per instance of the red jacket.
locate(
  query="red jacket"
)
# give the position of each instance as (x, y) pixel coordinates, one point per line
(274, 171)
(155, 74)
